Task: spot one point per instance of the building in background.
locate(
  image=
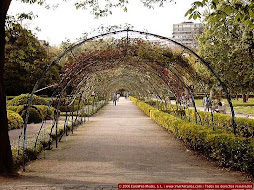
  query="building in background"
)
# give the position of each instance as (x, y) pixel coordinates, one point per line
(185, 33)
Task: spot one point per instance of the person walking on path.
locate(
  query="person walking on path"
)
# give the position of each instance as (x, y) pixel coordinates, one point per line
(114, 99)
(206, 103)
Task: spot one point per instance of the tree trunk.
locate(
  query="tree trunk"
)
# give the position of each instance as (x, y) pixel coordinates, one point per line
(247, 97)
(237, 97)
(6, 162)
(244, 98)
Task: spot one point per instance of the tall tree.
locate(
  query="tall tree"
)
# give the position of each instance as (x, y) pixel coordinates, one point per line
(25, 59)
(228, 40)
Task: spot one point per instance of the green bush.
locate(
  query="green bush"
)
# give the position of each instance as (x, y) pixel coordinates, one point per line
(68, 109)
(34, 114)
(45, 112)
(15, 121)
(13, 108)
(22, 100)
(245, 126)
(41, 108)
(228, 149)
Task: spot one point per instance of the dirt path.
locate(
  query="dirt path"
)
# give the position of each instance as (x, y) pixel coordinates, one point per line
(119, 145)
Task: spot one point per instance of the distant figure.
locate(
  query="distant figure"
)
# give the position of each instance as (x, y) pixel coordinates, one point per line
(206, 103)
(220, 107)
(114, 99)
(183, 100)
(118, 96)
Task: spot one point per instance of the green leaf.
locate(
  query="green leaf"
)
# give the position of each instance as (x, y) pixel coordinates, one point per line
(7, 39)
(228, 10)
(198, 4)
(251, 12)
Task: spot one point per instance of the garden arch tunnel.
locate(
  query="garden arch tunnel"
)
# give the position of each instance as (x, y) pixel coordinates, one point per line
(103, 64)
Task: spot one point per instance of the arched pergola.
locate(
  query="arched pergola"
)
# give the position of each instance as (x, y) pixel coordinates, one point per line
(127, 62)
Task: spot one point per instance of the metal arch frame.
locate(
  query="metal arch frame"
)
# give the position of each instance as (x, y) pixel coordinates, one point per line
(157, 70)
(204, 62)
(82, 77)
(81, 69)
(174, 73)
(91, 65)
(130, 79)
(85, 80)
(156, 75)
(160, 77)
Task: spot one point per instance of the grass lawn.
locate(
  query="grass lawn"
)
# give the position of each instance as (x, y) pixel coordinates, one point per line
(244, 109)
(239, 106)
(235, 102)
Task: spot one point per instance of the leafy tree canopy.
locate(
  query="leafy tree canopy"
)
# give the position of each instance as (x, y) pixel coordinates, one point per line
(25, 59)
(228, 41)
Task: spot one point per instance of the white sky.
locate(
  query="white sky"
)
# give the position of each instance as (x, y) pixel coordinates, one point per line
(66, 22)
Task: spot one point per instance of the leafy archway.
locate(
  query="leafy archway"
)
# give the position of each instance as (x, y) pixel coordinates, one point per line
(107, 62)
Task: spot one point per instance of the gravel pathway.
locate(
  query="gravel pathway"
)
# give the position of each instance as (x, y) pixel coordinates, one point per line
(120, 144)
(32, 129)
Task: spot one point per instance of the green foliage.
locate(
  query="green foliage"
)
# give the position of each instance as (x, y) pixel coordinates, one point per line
(45, 112)
(22, 100)
(15, 121)
(34, 114)
(68, 109)
(227, 149)
(26, 59)
(244, 109)
(243, 10)
(245, 126)
(227, 42)
(13, 108)
(108, 5)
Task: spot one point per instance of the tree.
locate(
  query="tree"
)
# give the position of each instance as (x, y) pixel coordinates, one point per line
(227, 41)
(25, 59)
(5, 148)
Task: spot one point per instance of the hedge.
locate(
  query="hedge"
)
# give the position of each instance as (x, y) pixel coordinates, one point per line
(85, 112)
(34, 114)
(245, 126)
(68, 109)
(22, 100)
(226, 148)
(13, 108)
(46, 113)
(37, 113)
(15, 121)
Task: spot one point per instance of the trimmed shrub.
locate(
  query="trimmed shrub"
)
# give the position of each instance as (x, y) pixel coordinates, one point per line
(22, 100)
(68, 109)
(45, 112)
(228, 149)
(34, 114)
(12, 108)
(245, 126)
(15, 121)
